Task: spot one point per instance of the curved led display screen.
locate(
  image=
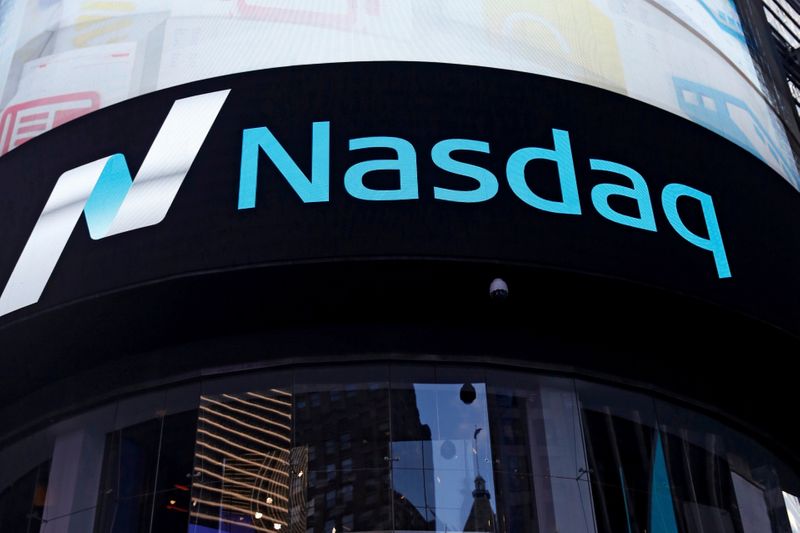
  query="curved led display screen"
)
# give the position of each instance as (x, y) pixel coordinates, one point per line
(60, 59)
(372, 160)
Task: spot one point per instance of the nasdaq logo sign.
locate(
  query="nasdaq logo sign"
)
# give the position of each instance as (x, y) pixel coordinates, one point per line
(480, 184)
(111, 200)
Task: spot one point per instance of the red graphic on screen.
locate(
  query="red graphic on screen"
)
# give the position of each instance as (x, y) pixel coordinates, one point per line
(340, 20)
(24, 121)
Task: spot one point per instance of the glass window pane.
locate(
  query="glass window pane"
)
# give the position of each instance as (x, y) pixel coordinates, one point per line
(752, 505)
(146, 476)
(619, 430)
(442, 470)
(357, 497)
(342, 427)
(537, 440)
(177, 452)
(720, 479)
(22, 503)
(243, 473)
(129, 466)
(175, 467)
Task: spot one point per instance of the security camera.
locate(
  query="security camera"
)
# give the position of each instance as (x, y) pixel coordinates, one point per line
(498, 289)
(467, 393)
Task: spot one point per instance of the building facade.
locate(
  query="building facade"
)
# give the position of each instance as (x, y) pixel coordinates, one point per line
(332, 266)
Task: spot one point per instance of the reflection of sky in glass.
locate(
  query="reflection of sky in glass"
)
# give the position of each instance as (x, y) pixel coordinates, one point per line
(459, 450)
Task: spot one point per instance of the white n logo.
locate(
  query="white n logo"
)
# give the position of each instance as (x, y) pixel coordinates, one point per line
(112, 201)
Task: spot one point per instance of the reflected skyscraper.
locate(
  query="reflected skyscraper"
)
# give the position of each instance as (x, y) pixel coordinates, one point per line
(245, 468)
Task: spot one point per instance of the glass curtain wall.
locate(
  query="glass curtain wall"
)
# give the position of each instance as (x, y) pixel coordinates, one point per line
(395, 447)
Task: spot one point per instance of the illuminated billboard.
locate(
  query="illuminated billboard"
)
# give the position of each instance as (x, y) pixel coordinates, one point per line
(333, 162)
(61, 59)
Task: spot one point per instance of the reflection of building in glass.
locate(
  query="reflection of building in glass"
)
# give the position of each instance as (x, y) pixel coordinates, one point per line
(528, 454)
(481, 516)
(539, 459)
(261, 467)
(243, 463)
(512, 443)
(440, 445)
(346, 432)
(412, 465)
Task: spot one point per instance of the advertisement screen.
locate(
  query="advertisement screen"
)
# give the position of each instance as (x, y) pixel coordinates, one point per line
(350, 161)
(61, 59)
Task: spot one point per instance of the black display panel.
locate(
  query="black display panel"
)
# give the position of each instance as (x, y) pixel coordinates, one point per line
(718, 231)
